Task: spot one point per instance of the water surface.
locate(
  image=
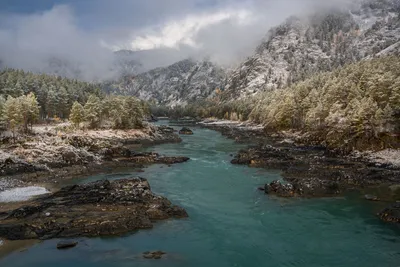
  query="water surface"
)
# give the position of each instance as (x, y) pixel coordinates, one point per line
(231, 223)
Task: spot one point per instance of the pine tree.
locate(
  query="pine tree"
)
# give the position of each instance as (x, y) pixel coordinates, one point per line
(34, 109)
(93, 111)
(2, 103)
(51, 103)
(63, 106)
(12, 115)
(77, 114)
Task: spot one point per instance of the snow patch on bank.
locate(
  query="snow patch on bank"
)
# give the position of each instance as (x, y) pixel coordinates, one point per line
(239, 124)
(22, 193)
(387, 156)
(1, 242)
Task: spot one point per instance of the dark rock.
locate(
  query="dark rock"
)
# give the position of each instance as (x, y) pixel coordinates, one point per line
(391, 214)
(172, 160)
(156, 255)
(71, 157)
(66, 244)
(151, 157)
(371, 197)
(186, 131)
(152, 118)
(312, 171)
(8, 161)
(102, 208)
(282, 190)
(106, 153)
(13, 167)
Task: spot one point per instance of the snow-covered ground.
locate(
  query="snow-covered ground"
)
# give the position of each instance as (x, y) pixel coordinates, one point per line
(387, 156)
(22, 193)
(239, 124)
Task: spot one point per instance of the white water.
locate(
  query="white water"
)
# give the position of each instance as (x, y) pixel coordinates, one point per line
(22, 193)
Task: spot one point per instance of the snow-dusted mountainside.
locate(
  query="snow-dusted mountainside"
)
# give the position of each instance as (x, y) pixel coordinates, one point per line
(178, 84)
(305, 45)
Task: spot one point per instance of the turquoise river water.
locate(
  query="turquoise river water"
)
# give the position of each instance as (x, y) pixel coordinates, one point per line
(231, 223)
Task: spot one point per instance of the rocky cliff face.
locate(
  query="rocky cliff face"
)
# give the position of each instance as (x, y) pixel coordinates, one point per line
(303, 46)
(183, 82)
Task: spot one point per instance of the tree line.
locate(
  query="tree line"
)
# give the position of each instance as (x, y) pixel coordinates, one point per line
(27, 98)
(118, 112)
(55, 94)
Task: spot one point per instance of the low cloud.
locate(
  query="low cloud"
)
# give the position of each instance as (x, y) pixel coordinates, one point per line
(78, 43)
(52, 40)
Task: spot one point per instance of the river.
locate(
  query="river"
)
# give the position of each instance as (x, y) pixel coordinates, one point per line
(231, 223)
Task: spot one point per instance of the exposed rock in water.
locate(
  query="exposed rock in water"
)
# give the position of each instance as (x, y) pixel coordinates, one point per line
(156, 255)
(391, 214)
(151, 157)
(186, 131)
(241, 132)
(101, 208)
(276, 187)
(314, 171)
(371, 198)
(66, 244)
(152, 118)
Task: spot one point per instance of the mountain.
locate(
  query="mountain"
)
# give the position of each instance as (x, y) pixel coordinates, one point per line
(126, 62)
(178, 84)
(303, 46)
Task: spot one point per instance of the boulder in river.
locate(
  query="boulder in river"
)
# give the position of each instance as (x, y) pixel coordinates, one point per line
(277, 188)
(66, 244)
(186, 131)
(314, 171)
(391, 214)
(371, 198)
(101, 208)
(156, 255)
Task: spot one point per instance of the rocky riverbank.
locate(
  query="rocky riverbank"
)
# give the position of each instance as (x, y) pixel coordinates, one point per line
(243, 132)
(101, 208)
(53, 153)
(314, 171)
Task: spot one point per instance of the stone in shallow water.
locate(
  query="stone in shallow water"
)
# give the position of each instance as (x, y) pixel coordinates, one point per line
(186, 131)
(156, 255)
(66, 244)
(371, 198)
(103, 208)
(22, 193)
(391, 213)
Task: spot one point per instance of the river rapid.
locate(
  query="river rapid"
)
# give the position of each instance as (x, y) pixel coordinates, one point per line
(230, 222)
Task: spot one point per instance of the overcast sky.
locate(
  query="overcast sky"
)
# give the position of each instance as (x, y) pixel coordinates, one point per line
(86, 31)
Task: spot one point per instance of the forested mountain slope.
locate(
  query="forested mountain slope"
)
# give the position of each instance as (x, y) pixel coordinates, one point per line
(181, 83)
(303, 46)
(353, 107)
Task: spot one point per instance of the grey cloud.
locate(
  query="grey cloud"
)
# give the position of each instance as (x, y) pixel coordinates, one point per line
(33, 40)
(29, 41)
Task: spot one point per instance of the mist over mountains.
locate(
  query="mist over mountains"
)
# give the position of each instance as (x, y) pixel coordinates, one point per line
(63, 41)
(242, 47)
